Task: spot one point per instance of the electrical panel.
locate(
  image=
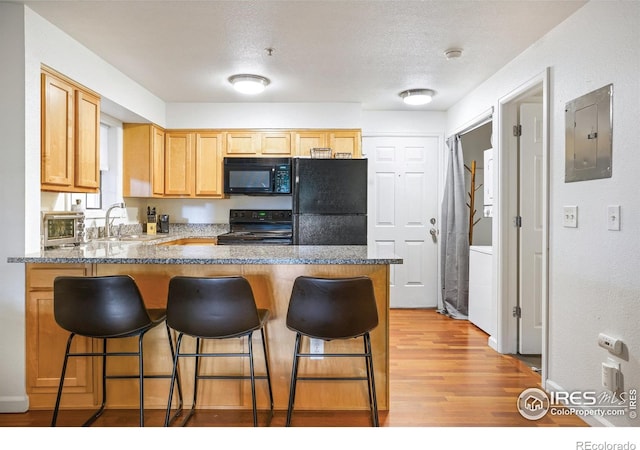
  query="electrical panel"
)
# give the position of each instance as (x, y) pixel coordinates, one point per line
(589, 130)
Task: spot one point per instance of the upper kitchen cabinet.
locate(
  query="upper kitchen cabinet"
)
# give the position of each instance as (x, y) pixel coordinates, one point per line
(193, 164)
(70, 137)
(143, 165)
(340, 141)
(208, 180)
(346, 141)
(258, 143)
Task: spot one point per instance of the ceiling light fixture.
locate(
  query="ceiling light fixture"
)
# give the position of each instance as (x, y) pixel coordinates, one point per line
(249, 84)
(417, 96)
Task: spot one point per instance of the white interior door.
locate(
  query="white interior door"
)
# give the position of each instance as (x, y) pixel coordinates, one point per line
(403, 203)
(531, 206)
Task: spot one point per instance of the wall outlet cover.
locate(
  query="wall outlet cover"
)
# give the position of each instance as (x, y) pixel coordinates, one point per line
(570, 216)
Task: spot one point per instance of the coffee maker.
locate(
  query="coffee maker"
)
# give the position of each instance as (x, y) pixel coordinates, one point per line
(163, 223)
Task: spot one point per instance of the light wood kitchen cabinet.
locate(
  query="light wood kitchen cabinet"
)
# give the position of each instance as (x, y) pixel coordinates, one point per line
(208, 165)
(46, 342)
(258, 143)
(340, 141)
(189, 163)
(70, 136)
(193, 164)
(177, 163)
(346, 141)
(143, 160)
(306, 140)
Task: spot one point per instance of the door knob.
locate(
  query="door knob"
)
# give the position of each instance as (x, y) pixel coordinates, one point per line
(434, 235)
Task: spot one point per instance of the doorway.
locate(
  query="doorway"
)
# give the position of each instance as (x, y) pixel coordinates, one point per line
(521, 231)
(403, 213)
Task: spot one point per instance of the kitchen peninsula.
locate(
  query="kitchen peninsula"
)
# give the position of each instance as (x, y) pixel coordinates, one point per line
(271, 271)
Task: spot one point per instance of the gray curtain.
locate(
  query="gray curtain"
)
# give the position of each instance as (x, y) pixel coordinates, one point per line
(454, 233)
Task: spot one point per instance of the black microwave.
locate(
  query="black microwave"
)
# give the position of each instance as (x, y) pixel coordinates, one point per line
(257, 176)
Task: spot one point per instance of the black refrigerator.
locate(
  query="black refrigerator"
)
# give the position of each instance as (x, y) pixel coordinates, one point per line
(329, 201)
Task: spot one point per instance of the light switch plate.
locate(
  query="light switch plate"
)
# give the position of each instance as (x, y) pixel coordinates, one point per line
(613, 217)
(570, 216)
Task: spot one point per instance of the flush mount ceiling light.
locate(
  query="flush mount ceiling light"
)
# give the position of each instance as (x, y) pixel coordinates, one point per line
(249, 84)
(417, 96)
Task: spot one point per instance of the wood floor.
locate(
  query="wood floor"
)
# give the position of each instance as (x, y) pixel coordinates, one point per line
(442, 374)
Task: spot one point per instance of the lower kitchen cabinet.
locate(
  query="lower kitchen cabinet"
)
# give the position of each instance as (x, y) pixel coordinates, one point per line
(46, 343)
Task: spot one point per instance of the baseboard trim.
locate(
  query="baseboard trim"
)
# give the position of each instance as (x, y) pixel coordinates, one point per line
(15, 404)
(493, 343)
(591, 420)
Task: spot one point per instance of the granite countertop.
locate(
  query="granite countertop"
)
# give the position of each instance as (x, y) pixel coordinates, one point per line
(149, 250)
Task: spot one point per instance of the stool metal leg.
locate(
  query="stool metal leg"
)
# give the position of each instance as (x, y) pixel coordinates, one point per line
(64, 370)
(373, 402)
(173, 379)
(266, 362)
(141, 379)
(294, 378)
(253, 379)
(175, 376)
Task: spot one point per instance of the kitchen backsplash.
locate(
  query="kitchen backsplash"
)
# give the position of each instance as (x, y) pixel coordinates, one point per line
(192, 229)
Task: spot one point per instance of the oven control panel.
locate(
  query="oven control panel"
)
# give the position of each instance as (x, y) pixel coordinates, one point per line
(260, 215)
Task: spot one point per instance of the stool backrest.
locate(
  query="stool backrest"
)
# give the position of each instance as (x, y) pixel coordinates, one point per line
(212, 307)
(329, 308)
(107, 306)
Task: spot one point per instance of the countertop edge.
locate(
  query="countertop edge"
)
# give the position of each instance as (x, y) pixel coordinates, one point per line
(199, 261)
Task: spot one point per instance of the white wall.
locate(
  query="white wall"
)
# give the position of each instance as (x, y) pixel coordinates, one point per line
(26, 42)
(12, 198)
(264, 115)
(594, 282)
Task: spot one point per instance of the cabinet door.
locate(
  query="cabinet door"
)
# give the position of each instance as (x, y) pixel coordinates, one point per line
(276, 144)
(347, 141)
(57, 134)
(87, 142)
(143, 160)
(208, 164)
(46, 342)
(177, 159)
(306, 140)
(157, 161)
(240, 143)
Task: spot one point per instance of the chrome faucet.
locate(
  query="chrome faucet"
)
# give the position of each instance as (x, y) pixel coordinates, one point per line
(107, 221)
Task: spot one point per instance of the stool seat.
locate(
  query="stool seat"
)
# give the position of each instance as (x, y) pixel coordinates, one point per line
(216, 308)
(331, 309)
(107, 307)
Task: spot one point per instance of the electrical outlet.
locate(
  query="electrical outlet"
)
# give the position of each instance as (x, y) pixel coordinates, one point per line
(316, 347)
(614, 345)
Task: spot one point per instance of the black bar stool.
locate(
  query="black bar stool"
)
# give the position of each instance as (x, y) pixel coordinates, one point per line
(329, 309)
(216, 308)
(108, 307)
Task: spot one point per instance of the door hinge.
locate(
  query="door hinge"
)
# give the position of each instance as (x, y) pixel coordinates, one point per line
(517, 130)
(517, 312)
(517, 221)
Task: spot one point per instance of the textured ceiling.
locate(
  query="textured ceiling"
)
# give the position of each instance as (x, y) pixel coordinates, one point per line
(360, 51)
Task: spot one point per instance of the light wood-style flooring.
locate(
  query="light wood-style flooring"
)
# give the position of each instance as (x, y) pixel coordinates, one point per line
(442, 373)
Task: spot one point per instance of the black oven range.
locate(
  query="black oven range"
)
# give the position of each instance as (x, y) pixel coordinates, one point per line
(258, 226)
